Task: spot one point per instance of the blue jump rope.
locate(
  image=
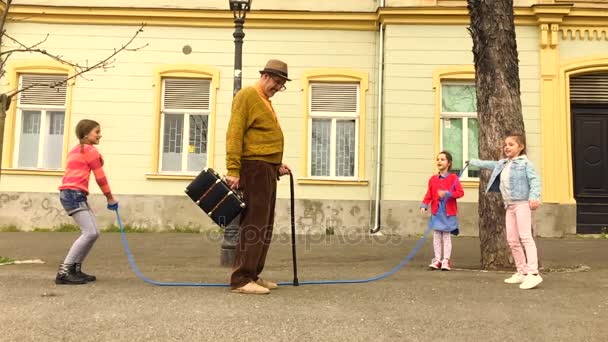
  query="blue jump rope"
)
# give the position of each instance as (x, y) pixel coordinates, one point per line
(295, 282)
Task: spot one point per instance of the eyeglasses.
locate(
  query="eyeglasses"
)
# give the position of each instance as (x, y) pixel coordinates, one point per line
(280, 82)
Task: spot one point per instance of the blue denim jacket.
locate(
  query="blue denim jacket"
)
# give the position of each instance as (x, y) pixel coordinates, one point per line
(524, 183)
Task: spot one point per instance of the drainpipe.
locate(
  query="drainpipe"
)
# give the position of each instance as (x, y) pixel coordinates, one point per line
(377, 196)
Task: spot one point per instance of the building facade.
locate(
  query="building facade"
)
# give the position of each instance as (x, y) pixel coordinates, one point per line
(379, 88)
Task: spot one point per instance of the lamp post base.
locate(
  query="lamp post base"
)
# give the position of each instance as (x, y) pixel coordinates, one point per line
(227, 256)
(231, 235)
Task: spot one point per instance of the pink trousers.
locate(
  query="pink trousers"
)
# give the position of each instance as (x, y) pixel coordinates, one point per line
(519, 237)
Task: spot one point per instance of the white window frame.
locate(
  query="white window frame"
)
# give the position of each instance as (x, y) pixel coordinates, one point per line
(465, 116)
(334, 116)
(45, 118)
(186, 130)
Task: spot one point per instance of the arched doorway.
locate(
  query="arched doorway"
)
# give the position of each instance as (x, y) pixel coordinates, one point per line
(589, 122)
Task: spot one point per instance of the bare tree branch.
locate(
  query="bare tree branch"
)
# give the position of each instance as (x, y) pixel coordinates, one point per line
(104, 64)
(3, 19)
(23, 46)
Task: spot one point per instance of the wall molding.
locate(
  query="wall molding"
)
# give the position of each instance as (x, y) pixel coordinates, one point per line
(282, 19)
(584, 33)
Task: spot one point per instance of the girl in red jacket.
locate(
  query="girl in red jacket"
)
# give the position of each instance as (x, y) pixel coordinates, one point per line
(443, 190)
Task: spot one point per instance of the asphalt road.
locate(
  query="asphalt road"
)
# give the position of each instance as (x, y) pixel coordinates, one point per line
(412, 305)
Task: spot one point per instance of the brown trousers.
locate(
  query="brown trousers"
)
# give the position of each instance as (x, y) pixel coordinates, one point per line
(258, 180)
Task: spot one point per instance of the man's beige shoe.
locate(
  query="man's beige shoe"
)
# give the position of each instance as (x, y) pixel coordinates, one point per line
(251, 288)
(267, 284)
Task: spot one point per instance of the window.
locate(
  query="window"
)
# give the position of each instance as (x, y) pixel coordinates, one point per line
(40, 121)
(459, 126)
(333, 130)
(185, 112)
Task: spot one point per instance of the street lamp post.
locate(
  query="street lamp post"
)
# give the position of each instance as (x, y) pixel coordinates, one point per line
(239, 9)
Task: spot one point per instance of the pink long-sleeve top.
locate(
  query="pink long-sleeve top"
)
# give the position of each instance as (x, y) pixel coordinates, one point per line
(83, 159)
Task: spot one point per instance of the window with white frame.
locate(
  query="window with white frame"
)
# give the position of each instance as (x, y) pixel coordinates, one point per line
(40, 121)
(333, 126)
(185, 107)
(459, 126)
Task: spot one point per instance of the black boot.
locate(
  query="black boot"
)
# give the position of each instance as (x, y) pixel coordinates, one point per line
(66, 275)
(78, 271)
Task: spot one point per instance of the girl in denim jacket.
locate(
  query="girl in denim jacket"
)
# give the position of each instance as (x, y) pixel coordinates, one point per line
(515, 178)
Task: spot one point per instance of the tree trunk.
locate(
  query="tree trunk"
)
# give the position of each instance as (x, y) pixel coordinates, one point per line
(498, 111)
(5, 100)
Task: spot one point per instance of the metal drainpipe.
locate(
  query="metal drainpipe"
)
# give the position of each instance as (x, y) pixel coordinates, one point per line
(376, 227)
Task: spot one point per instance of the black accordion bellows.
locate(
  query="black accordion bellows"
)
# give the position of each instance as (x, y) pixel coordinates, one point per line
(215, 197)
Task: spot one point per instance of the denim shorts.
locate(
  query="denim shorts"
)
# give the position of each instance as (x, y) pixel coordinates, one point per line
(73, 201)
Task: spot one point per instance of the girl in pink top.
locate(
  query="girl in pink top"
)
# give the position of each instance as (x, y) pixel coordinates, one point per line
(74, 189)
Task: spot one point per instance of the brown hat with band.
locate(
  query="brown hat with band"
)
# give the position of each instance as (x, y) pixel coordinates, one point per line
(277, 68)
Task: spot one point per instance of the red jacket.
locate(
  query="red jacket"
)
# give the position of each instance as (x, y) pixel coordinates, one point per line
(438, 182)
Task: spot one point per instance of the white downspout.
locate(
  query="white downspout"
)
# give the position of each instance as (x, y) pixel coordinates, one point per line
(377, 198)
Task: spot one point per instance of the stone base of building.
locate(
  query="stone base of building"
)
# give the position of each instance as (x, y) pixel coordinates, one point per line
(30, 211)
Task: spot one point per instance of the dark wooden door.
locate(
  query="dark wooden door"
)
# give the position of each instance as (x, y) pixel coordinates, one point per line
(590, 162)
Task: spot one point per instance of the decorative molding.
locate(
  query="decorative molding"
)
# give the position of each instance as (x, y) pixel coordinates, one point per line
(559, 142)
(183, 71)
(363, 21)
(335, 75)
(584, 33)
(35, 66)
(313, 181)
(161, 176)
(548, 35)
(33, 172)
(283, 19)
(448, 73)
(473, 184)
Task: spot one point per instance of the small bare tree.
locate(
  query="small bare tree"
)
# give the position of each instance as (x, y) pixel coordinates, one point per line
(37, 48)
(498, 111)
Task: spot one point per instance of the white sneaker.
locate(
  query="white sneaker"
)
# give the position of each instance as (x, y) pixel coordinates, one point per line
(516, 278)
(531, 281)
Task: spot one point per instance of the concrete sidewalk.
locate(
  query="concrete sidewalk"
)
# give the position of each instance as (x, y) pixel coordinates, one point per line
(413, 305)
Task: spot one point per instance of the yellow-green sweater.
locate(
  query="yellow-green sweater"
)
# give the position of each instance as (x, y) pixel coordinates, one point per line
(253, 132)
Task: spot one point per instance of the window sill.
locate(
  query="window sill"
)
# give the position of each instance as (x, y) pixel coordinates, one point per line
(33, 172)
(470, 184)
(316, 181)
(169, 176)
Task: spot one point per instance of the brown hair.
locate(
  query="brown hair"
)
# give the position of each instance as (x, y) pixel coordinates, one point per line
(448, 156)
(520, 139)
(83, 128)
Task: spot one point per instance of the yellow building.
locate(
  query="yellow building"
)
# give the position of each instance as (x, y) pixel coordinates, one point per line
(379, 87)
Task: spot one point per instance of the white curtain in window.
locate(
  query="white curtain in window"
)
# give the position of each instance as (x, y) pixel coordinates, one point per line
(186, 105)
(54, 140)
(172, 142)
(30, 138)
(321, 131)
(41, 108)
(345, 148)
(334, 111)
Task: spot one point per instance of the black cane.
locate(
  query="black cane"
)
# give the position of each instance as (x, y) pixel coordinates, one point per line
(293, 232)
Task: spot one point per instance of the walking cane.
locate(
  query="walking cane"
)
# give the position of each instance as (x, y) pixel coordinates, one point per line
(293, 232)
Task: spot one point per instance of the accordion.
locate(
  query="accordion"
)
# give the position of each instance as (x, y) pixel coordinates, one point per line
(215, 197)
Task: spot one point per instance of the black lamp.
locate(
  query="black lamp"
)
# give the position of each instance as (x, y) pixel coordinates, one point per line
(239, 8)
